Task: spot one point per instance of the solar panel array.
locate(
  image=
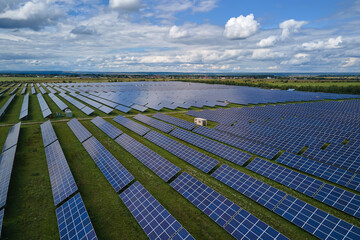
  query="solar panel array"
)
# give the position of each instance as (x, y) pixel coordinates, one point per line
(175, 121)
(33, 91)
(256, 148)
(43, 105)
(239, 223)
(24, 112)
(77, 104)
(12, 137)
(74, 221)
(285, 176)
(153, 218)
(189, 155)
(6, 105)
(154, 123)
(58, 102)
(48, 133)
(1, 219)
(117, 175)
(24, 89)
(322, 170)
(62, 181)
(15, 89)
(93, 103)
(156, 163)
(79, 130)
(254, 189)
(107, 127)
(219, 149)
(307, 217)
(132, 125)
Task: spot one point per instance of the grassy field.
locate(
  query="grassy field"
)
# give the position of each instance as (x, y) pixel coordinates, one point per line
(30, 204)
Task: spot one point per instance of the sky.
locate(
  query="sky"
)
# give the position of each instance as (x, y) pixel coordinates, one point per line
(180, 35)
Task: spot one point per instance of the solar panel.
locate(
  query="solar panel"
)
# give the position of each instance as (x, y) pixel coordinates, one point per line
(48, 133)
(24, 107)
(105, 109)
(123, 108)
(107, 127)
(195, 158)
(46, 113)
(316, 221)
(117, 175)
(322, 170)
(254, 189)
(77, 104)
(132, 125)
(43, 105)
(153, 218)
(154, 123)
(1, 219)
(62, 181)
(79, 130)
(87, 110)
(74, 221)
(221, 150)
(6, 105)
(159, 165)
(355, 183)
(338, 198)
(239, 223)
(285, 176)
(175, 121)
(6, 165)
(12, 137)
(182, 235)
(58, 102)
(139, 108)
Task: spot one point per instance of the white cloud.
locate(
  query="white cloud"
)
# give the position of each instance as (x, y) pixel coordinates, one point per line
(12, 37)
(205, 6)
(176, 32)
(351, 62)
(298, 59)
(265, 54)
(290, 26)
(331, 43)
(267, 42)
(241, 27)
(126, 5)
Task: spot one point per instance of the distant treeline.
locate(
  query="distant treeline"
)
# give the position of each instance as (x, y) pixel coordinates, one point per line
(353, 89)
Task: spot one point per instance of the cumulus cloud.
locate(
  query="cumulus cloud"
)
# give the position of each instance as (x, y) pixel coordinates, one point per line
(290, 26)
(351, 62)
(298, 59)
(241, 27)
(10, 37)
(176, 32)
(125, 5)
(33, 14)
(331, 43)
(262, 54)
(267, 42)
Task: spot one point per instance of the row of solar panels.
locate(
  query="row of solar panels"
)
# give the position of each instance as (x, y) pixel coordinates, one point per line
(7, 158)
(271, 197)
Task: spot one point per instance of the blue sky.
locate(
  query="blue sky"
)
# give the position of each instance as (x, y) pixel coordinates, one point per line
(180, 35)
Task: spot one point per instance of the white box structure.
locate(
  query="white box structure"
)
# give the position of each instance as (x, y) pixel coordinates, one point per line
(200, 121)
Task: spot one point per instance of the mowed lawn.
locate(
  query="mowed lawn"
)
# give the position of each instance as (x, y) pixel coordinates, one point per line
(30, 210)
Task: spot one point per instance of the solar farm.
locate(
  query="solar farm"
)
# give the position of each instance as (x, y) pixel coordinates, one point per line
(130, 163)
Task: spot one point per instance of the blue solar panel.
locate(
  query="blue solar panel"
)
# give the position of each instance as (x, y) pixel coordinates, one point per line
(159, 165)
(43, 105)
(117, 175)
(1, 219)
(123, 108)
(175, 121)
(258, 191)
(154, 123)
(316, 221)
(355, 183)
(12, 137)
(77, 104)
(153, 218)
(79, 130)
(285, 176)
(138, 107)
(107, 127)
(74, 221)
(24, 107)
(6, 165)
(6, 105)
(48, 133)
(322, 170)
(221, 150)
(58, 102)
(62, 181)
(195, 158)
(338, 198)
(182, 235)
(247, 145)
(132, 125)
(239, 223)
